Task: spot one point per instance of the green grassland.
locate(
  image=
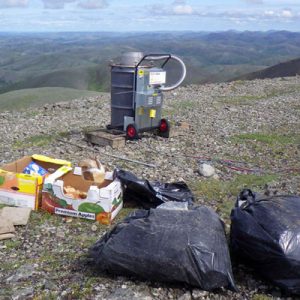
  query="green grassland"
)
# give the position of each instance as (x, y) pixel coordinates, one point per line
(25, 98)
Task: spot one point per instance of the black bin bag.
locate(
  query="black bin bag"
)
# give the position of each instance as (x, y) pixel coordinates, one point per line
(152, 194)
(265, 233)
(183, 246)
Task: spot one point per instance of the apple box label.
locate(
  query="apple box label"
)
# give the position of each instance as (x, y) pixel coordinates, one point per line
(73, 213)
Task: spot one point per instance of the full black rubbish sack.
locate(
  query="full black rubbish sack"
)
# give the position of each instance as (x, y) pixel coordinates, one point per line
(265, 233)
(186, 246)
(152, 194)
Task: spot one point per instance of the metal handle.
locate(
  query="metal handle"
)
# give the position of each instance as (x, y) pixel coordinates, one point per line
(166, 57)
(155, 57)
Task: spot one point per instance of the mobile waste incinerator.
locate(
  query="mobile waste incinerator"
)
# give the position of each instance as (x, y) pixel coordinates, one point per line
(137, 83)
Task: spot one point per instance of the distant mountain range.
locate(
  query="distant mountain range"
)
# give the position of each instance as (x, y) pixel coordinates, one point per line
(285, 69)
(81, 60)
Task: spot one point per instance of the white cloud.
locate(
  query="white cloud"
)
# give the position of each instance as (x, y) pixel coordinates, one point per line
(93, 4)
(183, 9)
(269, 13)
(281, 15)
(286, 13)
(56, 4)
(254, 1)
(180, 7)
(13, 3)
(177, 7)
(86, 4)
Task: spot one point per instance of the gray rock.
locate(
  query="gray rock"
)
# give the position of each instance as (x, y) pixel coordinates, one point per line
(50, 285)
(129, 294)
(207, 170)
(199, 294)
(60, 233)
(21, 274)
(185, 296)
(23, 293)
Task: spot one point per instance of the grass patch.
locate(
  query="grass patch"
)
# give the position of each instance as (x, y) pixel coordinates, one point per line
(53, 261)
(212, 189)
(40, 217)
(86, 240)
(241, 100)
(239, 82)
(10, 265)
(261, 297)
(46, 295)
(11, 244)
(225, 192)
(250, 99)
(80, 292)
(21, 99)
(268, 138)
(123, 214)
(188, 104)
(175, 107)
(38, 140)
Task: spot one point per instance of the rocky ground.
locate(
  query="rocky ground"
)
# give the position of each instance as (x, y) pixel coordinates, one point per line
(255, 125)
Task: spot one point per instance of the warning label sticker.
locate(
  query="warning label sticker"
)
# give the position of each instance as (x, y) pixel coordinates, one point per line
(157, 77)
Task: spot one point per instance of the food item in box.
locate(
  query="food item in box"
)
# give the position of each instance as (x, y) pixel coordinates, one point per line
(88, 164)
(92, 170)
(74, 193)
(34, 169)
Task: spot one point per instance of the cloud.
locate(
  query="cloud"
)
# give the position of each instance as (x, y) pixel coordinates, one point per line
(180, 7)
(254, 1)
(60, 4)
(177, 7)
(182, 10)
(286, 13)
(56, 4)
(13, 3)
(93, 4)
(279, 15)
(269, 13)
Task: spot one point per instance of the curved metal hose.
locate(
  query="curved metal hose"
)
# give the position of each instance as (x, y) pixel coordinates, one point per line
(176, 85)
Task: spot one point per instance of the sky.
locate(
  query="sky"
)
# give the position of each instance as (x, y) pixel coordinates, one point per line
(151, 15)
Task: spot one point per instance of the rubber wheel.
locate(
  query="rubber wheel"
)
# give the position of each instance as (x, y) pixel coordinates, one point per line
(164, 128)
(132, 132)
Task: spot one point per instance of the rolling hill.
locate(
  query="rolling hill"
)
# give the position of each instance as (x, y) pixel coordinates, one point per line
(284, 69)
(81, 60)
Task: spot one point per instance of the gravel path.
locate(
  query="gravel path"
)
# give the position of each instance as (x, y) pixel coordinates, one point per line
(255, 122)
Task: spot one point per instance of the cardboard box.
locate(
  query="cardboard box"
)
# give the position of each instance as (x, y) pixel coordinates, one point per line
(25, 190)
(100, 202)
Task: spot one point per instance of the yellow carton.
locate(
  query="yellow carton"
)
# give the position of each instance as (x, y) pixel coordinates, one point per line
(25, 190)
